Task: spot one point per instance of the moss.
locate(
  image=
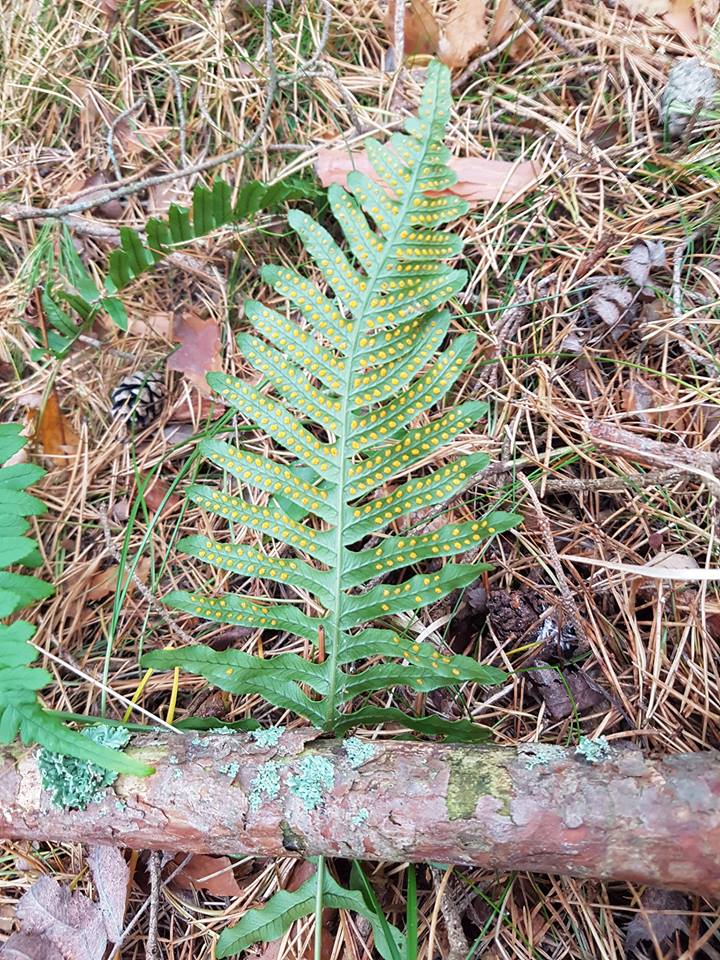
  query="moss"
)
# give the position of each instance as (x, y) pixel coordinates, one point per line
(74, 784)
(316, 775)
(474, 775)
(358, 751)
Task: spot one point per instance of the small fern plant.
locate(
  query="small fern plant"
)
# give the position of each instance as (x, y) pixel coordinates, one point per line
(345, 379)
(21, 713)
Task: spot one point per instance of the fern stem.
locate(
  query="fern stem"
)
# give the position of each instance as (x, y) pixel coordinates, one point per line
(373, 284)
(317, 953)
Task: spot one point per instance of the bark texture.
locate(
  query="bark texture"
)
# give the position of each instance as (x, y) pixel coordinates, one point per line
(539, 808)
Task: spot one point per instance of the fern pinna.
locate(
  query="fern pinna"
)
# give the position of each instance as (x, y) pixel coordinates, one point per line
(356, 366)
(20, 710)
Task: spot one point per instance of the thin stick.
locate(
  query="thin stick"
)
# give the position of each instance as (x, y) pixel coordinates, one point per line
(131, 189)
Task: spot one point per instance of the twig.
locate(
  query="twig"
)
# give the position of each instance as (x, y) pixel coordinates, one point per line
(538, 18)
(399, 33)
(662, 476)
(128, 929)
(30, 213)
(566, 594)
(684, 338)
(111, 134)
(457, 941)
(175, 77)
(142, 588)
(309, 67)
(152, 937)
(471, 69)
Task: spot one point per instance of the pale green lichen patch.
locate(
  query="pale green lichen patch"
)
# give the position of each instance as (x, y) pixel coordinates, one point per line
(540, 754)
(472, 776)
(358, 751)
(594, 750)
(315, 777)
(265, 786)
(230, 769)
(359, 818)
(268, 737)
(73, 784)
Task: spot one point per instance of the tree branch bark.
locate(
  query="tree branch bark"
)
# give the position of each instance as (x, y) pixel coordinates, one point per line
(539, 808)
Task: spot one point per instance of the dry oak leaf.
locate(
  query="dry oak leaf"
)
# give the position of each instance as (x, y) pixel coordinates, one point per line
(464, 33)
(105, 582)
(213, 874)
(421, 28)
(111, 876)
(199, 351)
(478, 179)
(51, 429)
(678, 14)
(660, 918)
(70, 924)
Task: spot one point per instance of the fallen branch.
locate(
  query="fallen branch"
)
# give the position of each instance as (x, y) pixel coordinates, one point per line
(598, 811)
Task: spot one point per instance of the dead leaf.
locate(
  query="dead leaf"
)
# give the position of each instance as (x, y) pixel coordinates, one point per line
(105, 582)
(421, 28)
(29, 946)
(155, 494)
(464, 33)
(478, 178)
(111, 877)
(651, 923)
(644, 256)
(71, 923)
(610, 303)
(52, 431)
(564, 692)
(676, 13)
(213, 874)
(112, 209)
(504, 21)
(199, 351)
(137, 139)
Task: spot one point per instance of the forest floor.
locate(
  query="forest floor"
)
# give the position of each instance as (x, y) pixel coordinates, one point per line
(594, 292)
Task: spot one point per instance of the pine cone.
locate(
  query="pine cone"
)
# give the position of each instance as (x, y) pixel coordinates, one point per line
(138, 399)
(690, 84)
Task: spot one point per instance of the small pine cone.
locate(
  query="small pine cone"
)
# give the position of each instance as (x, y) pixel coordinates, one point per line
(690, 86)
(138, 399)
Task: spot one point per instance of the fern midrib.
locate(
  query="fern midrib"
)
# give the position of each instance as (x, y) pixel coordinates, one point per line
(344, 461)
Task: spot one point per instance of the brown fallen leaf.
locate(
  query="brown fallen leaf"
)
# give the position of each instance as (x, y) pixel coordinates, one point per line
(504, 20)
(111, 877)
(105, 582)
(465, 32)
(678, 14)
(199, 351)
(213, 874)
(651, 923)
(51, 431)
(137, 139)
(612, 304)
(644, 256)
(421, 28)
(29, 946)
(156, 493)
(478, 178)
(563, 692)
(71, 924)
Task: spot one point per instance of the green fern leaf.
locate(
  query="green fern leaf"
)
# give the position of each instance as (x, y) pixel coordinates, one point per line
(21, 714)
(343, 387)
(285, 907)
(211, 208)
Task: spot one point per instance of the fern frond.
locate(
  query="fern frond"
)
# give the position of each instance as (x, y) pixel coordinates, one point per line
(343, 381)
(21, 714)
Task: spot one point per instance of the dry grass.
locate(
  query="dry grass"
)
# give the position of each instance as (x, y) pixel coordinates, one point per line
(607, 180)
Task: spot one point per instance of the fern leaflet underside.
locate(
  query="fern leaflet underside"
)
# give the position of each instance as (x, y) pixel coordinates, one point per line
(359, 364)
